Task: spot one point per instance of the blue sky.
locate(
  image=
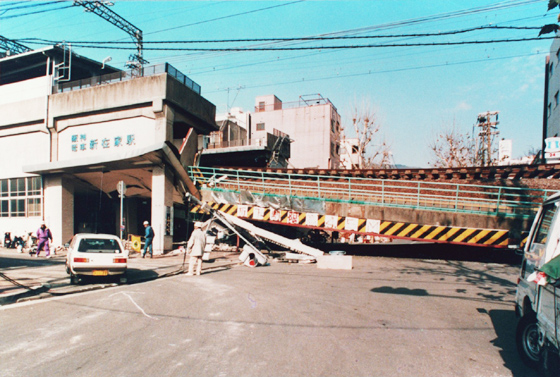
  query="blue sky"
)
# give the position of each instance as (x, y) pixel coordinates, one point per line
(416, 91)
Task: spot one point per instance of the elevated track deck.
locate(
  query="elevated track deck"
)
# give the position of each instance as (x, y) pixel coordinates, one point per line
(442, 206)
(473, 174)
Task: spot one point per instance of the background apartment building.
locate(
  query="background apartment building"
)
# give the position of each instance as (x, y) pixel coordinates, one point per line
(312, 123)
(232, 145)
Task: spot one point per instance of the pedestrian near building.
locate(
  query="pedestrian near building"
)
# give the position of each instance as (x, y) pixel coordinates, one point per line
(44, 237)
(195, 248)
(149, 235)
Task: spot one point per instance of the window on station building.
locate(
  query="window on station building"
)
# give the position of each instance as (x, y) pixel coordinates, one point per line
(4, 191)
(34, 186)
(4, 208)
(17, 207)
(260, 126)
(21, 197)
(17, 187)
(262, 106)
(34, 207)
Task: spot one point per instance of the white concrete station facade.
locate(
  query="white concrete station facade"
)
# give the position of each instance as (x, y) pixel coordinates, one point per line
(71, 128)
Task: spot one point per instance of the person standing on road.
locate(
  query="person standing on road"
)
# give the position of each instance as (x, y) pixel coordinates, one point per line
(149, 235)
(195, 248)
(44, 235)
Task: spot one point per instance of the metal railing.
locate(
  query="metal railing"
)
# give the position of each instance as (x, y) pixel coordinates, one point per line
(236, 143)
(504, 201)
(127, 75)
(262, 107)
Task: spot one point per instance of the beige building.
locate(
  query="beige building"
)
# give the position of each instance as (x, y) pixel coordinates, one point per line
(350, 157)
(551, 119)
(312, 123)
(73, 128)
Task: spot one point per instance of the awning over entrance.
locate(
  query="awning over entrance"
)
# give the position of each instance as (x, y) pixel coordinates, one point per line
(132, 167)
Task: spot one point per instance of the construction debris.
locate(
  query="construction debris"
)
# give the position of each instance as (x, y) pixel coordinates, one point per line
(253, 237)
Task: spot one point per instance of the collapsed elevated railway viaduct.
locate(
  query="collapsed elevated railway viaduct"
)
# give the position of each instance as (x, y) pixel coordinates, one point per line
(491, 206)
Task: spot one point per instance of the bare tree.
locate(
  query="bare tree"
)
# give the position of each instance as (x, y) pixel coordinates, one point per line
(551, 28)
(453, 149)
(366, 125)
(382, 157)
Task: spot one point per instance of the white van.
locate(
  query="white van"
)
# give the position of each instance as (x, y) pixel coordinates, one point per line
(538, 304)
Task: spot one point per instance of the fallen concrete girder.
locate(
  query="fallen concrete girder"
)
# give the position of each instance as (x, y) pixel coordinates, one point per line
(258, 234)
(251, 255)
(292, 244)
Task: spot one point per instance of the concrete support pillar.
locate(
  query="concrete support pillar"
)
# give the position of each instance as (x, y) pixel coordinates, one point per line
(162, 206)
(164, 118)
(59, 208)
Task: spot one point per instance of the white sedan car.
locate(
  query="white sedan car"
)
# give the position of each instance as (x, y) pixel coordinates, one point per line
(96, 255)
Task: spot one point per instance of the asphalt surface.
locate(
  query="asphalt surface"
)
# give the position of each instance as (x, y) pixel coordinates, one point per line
(25, 278)
(386, 317)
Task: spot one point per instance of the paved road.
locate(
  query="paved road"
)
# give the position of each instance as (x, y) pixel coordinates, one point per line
(47, 277)
(387, 317)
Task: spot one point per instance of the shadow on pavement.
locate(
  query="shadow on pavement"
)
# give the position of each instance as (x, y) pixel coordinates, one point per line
(504, 322)
(401, 291)
(429, 251)
(21, 261)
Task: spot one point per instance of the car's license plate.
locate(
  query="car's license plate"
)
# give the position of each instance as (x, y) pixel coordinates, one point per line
(99, 272)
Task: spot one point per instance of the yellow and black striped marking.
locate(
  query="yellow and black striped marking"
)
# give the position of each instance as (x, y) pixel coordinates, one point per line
(198, 176)
(434, 233)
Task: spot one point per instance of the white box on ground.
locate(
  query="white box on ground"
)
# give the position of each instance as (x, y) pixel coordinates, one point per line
(335, 262)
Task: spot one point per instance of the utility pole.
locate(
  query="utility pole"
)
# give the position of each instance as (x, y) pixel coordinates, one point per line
(488, 130)
(98, 7)
(121, 189)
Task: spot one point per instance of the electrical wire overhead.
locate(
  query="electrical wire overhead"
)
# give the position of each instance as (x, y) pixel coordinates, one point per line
(33, 5)
(294, 39)
(339, 47)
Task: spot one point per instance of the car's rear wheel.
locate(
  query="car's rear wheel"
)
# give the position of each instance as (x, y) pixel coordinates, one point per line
(74, 279)
(527, 340)
(123, 279)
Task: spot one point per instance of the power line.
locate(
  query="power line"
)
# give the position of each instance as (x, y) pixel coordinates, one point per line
(6, 7)
(410, 22)
(36, 12)
(340, 47)
(295, 39)
(225, 17)
(370, 72)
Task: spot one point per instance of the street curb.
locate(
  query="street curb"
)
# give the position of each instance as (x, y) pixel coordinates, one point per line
(44, 291)
(33, 292)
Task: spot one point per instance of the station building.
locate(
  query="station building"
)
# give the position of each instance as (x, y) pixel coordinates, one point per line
(72, 128)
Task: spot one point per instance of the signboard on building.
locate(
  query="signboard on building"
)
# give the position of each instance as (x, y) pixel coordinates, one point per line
(552, 149)
(104, 138)
(505, 150)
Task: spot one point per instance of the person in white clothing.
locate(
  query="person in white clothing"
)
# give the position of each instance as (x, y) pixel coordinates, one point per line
(195, 248)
